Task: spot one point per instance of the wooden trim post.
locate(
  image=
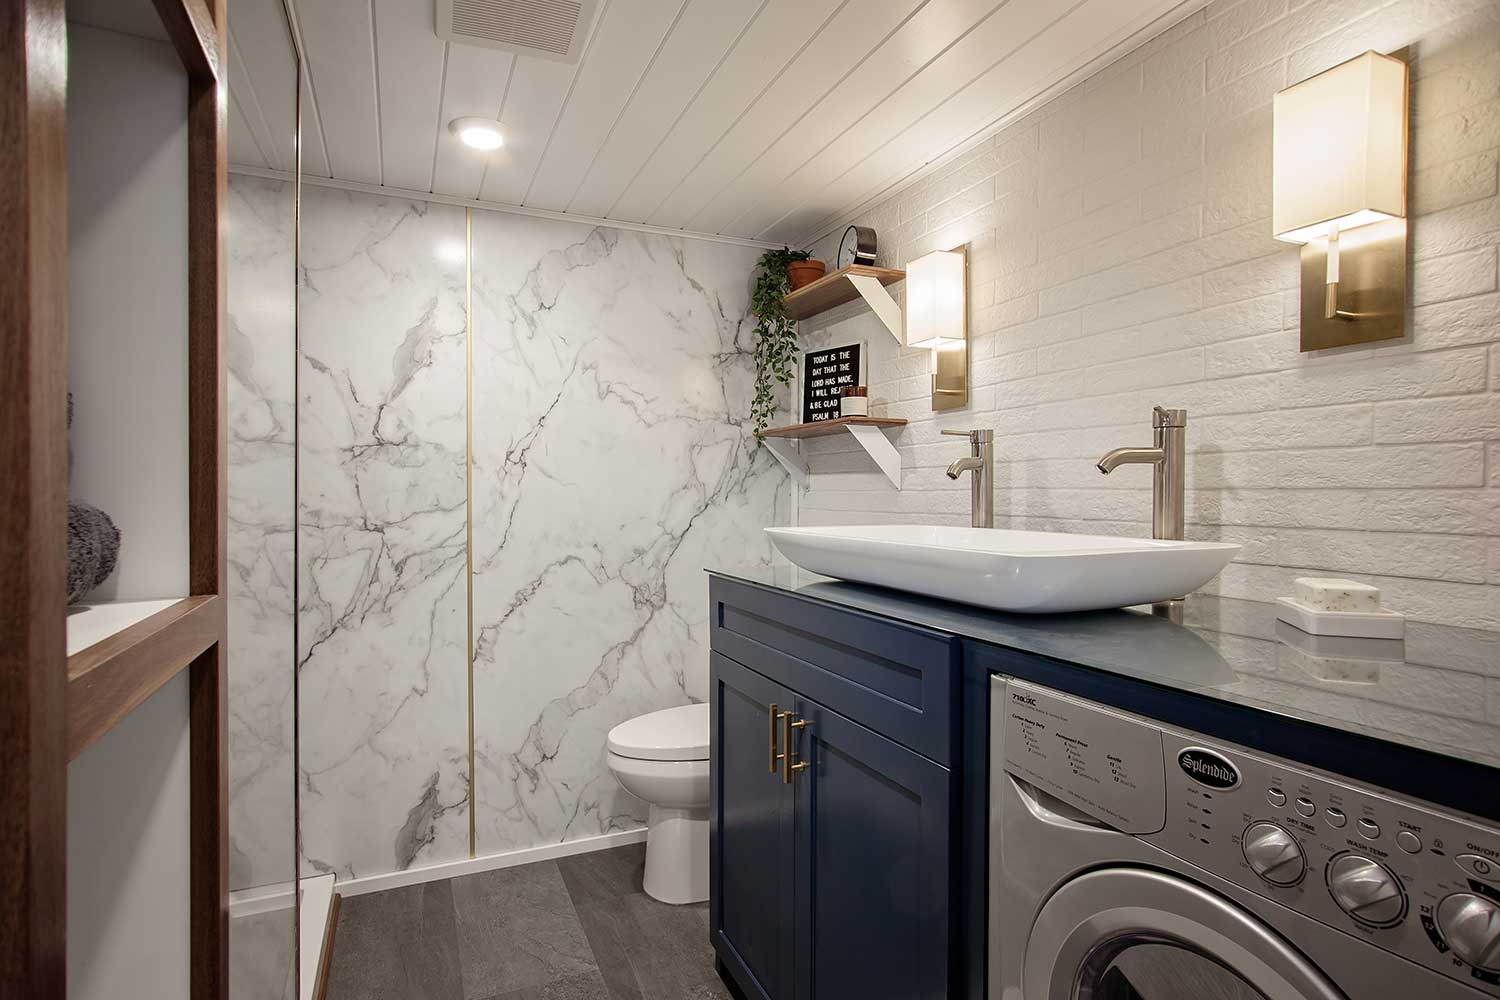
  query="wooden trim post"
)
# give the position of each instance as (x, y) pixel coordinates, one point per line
(208, 487)
(33, 500)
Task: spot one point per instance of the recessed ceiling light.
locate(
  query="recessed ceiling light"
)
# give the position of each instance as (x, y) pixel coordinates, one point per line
(480, 133)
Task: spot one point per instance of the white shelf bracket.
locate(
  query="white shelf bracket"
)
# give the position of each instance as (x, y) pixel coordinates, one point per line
(874, 441)
(881, 302)
(790, 457)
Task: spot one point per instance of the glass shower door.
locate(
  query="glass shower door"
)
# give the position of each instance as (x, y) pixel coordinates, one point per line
(260, 338)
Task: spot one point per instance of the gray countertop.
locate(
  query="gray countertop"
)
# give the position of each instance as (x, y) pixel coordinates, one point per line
(1437, 690)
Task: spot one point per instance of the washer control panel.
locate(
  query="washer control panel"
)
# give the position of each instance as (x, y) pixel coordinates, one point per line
(1410, 879)
(1107, 764)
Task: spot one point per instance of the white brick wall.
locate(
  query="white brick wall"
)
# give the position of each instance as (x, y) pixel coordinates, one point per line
(1122, 257)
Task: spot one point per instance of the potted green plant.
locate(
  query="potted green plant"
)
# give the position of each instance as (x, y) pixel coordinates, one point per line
(775, 333)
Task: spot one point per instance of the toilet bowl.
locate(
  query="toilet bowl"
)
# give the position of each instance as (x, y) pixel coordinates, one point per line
(662, 759)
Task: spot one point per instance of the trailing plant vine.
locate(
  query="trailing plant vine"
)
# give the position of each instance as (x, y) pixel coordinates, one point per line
(775, 334)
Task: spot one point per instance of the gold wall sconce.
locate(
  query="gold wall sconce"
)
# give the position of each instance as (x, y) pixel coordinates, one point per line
(937, 318)
(1339, 191)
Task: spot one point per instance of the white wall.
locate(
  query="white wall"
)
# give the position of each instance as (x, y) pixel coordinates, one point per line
(1122, 257)
(127, 301)
(128, 819)
(128, 839)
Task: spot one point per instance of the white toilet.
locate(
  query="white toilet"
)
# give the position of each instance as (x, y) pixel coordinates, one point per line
(662, 759)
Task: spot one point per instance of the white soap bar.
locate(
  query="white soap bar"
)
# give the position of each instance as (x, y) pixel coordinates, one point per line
(1331, 594)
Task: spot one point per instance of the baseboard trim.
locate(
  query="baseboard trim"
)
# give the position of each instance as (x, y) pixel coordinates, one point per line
(261, 899)
(489, 862)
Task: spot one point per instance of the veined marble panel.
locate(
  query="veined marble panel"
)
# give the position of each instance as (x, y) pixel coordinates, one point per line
(383, 658)
(612, 463)
(262, 357)
(612, 371)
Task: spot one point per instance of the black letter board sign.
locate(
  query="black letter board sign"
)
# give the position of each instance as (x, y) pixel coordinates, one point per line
(824, 376)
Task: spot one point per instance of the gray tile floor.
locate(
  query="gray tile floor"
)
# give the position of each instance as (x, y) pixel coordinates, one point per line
(575, 929)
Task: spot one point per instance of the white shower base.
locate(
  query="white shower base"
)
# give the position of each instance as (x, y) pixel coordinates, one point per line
(316, 909)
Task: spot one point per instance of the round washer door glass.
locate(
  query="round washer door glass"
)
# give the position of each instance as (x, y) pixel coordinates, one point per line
(1136, 934)
(1151, 970)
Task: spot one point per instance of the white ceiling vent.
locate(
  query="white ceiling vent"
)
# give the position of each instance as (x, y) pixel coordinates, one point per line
(552, 29)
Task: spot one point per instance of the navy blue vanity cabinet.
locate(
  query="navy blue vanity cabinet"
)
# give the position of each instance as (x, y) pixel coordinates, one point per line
(750, 821)
(867, 821)
(873, 832)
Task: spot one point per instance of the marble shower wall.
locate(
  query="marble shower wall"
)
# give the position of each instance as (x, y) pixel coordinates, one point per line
(383, 659)
(612, 374)
(262, 346)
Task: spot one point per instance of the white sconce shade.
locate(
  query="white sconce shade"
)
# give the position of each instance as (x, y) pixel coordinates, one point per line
(1339, 149)
(936, 300)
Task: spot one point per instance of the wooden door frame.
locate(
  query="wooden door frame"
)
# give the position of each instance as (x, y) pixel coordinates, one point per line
(33, 531)
(33, 450)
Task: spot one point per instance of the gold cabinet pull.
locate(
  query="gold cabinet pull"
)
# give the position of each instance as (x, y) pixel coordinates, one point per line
(771, 718)
(788, 750)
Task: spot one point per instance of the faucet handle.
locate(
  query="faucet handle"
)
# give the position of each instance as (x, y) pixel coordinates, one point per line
(1162, 416)
(979, 435)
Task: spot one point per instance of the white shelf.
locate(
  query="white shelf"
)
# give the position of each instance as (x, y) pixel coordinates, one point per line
(868, 431)
(93, 623)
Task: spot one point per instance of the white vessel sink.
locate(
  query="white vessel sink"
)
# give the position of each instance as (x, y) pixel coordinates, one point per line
(1037, 572)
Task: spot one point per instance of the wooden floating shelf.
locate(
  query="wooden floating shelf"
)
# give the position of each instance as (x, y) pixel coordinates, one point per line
(823, 428)
(866, 430)
(846, 285)
(118, 672)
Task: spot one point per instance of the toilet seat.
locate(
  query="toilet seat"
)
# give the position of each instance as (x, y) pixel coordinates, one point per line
(672, 734)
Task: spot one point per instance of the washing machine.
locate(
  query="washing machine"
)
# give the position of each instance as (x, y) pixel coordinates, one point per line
(1131, 860)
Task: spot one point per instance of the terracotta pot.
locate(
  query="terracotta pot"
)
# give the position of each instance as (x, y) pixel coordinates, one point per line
(804, 272)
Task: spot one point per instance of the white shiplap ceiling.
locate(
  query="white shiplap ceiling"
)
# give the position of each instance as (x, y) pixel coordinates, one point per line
(769, 120)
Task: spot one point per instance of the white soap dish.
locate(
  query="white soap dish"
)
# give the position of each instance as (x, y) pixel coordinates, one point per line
(1383, 624)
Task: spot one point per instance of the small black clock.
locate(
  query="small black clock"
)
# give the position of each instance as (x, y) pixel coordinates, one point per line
(857, 246)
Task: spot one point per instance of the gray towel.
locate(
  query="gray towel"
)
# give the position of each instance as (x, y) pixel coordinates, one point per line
(93, 547)
(93, 541)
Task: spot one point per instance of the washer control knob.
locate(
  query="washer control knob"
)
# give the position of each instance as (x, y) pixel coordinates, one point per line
(1273, 854)
(1367, 890)
(1471, 925)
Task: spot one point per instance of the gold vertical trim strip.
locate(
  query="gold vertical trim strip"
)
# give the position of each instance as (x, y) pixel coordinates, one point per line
(469, 486)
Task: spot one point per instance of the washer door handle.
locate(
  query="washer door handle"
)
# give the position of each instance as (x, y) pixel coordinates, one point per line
(1050, 809)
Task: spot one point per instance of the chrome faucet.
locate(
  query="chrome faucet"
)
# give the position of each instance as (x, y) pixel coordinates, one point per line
(1168, 456)
(981, 462)
(1168, 481)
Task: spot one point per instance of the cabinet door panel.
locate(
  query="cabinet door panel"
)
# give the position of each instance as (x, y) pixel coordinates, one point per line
(873, 865)
(750, 858)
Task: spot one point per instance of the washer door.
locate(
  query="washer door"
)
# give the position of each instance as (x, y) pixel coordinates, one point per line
(1134, 934)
